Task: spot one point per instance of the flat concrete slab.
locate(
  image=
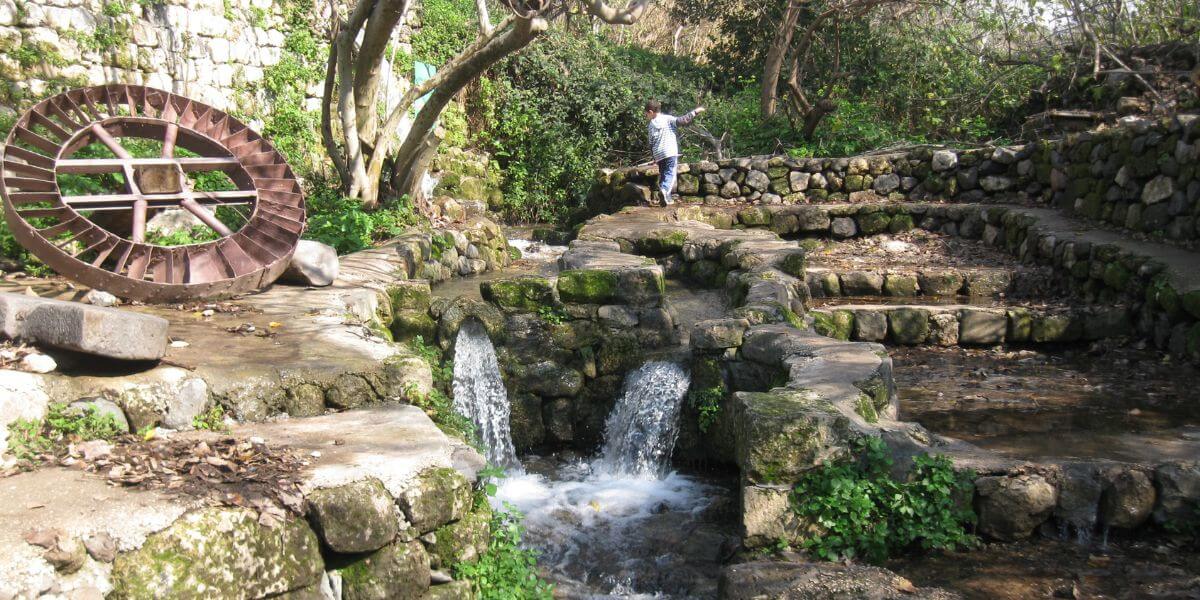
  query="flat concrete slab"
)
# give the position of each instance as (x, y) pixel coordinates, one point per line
(107, 332)
(391, 444)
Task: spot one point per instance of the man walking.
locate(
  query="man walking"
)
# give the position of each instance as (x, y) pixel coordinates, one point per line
(664, 144)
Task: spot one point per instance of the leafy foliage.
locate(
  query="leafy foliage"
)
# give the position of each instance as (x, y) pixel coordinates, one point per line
(341, 222)
(446, 28)
(707, 403)
(506, 571)
(28, 438)
(212, 419)
(863, 512)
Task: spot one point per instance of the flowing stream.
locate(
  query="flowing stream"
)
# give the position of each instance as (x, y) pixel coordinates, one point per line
(622, 524)
(479, 393)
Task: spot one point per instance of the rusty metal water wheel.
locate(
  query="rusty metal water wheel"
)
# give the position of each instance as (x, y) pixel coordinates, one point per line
(99, 238)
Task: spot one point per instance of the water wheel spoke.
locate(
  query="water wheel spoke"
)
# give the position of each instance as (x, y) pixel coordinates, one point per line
(206, 217)
(30, 157)
(35, 140)
(33, 171)
(104, 253)
(168, 149)
(95, 166)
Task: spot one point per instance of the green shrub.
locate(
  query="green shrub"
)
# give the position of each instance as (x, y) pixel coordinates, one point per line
(342, 222)
(862, 512)
(707, 403)
(506, 571)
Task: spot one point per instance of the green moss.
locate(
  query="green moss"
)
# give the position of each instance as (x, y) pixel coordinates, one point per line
(527, 293)
(794, 264)
(866, 409)
(873, 223)
(587, 286)
(662, 242)
(901, 223)
(837, 324)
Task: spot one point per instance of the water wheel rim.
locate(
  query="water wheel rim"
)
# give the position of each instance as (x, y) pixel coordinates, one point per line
(38, 150)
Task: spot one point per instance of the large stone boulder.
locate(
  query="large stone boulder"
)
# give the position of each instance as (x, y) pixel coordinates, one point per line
(587, 286)
(1128, 499)
(462, 541)
(313, 263)
(438, 496)
(718, 334)
(398, 570)
(1178, 486)
(527, 293)
(1010, 508)
(782, 433)
(97, 330)
(220, 553)
(355, 517)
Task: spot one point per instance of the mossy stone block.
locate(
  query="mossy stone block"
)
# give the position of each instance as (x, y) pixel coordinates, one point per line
(587, 286)
(909, 325)
(527, 293)
(220, 553)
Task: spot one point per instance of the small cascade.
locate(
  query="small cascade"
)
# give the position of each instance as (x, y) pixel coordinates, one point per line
(623, 525)
(479, 393)
(640, 433)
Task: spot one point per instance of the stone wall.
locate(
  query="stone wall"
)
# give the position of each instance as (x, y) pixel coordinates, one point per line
(1139, 176)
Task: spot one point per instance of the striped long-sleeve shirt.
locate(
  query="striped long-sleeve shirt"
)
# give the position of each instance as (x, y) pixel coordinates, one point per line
(662, 129)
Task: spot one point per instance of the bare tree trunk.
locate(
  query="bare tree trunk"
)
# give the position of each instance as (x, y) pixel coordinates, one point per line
(378, 32)
(522, 32)
(774, 60)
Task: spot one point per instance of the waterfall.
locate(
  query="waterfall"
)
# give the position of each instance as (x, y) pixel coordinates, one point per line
(641, 430)
(479, 393)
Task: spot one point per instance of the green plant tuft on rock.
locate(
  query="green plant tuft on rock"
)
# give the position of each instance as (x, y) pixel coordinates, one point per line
(860, 511)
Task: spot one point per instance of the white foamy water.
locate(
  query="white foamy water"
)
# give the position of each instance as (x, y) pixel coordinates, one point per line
(623, 525)
(537, 251)
(479, 393)
(640, 433)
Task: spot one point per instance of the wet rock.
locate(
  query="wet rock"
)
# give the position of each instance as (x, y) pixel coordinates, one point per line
(764, 579)
(862, 283)
(313, 263)
(900, 284)
(642, 286)
(559, 416)
(909, 325)
(108, 332)
(462, 541)
(843, 227)
(870, 326)
(1127, 500)
(525, 421)
(1054, 328)
(783, 433)
(719, 333)
(982, 327)
(587, 286)
(940, 283)
(398, 570)
(1079, 492)
(1178, 487)
(943, 329)
(438, 496)
(355, 517)
(220, 553)
(349, 391)
(1010, 508)
(837, 324)
(304, 400)
(525, 293)
(617, 315)
(548, 379)
(463, 308)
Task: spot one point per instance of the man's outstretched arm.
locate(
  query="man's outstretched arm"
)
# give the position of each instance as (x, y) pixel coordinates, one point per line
(685, 119)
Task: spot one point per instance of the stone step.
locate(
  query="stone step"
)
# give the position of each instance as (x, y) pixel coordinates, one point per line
(971, 325)
(825, 282)
(95, 330)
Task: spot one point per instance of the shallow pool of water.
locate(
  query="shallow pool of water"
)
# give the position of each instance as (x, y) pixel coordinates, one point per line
(1120, 404)
(603, 535)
